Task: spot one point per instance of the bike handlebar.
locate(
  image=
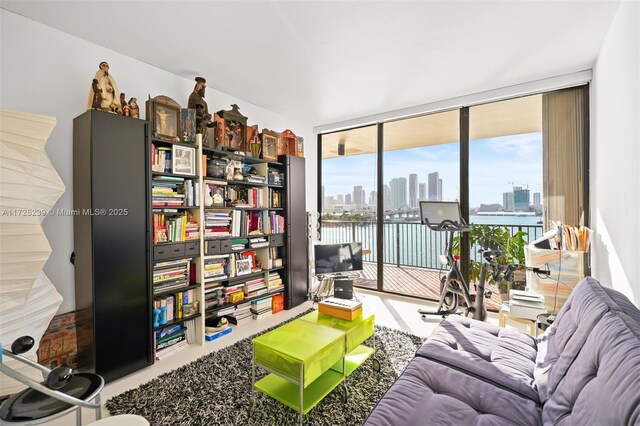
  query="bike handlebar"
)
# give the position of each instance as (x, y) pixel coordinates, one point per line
(449, 225)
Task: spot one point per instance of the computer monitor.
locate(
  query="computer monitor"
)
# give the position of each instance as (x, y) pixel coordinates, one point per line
(434, 212)
(332, 258)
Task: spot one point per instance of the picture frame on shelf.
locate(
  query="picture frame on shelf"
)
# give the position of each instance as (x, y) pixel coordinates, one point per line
(183, 160)
(269, 145)
(243, 267)
(165, 118)
(188, 125)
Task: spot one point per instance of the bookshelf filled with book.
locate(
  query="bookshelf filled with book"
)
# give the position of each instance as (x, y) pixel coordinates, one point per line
(244, 228)
(176, 233)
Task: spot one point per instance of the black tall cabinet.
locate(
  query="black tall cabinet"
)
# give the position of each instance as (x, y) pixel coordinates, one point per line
(296, 230)
(111, 243)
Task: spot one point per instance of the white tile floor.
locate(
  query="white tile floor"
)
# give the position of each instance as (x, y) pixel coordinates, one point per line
(391, 311)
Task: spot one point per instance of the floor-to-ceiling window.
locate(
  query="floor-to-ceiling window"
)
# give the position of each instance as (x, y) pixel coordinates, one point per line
(505, 162)
(348, 192)
(421, 161)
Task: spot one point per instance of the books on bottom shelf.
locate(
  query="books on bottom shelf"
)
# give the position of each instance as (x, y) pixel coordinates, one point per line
(217, 334)
(170, 339)
(261, 308)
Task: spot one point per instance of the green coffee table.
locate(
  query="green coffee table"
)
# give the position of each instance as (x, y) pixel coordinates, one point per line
(299, 357)
(356, 332)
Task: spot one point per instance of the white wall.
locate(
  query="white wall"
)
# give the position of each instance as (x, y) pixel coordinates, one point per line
(615, 155)
(46, 71)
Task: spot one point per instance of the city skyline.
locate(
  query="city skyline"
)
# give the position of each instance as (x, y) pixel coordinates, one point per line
(496, 166)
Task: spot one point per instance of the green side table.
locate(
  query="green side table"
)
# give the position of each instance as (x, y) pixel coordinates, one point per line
(299, 357)
(356, 332)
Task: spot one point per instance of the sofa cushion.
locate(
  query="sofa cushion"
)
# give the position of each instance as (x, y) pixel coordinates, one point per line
(563, 340)
(504, 357)
(623, 304)
(431, 393)
(602, 385)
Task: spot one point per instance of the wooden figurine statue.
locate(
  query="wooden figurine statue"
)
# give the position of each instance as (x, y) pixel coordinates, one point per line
(133, 108)
(203, 118)
(108, 90)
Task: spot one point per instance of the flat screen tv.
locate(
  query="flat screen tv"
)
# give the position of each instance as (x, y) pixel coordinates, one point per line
(332, 258)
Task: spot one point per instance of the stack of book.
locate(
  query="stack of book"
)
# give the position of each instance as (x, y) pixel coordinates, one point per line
(216, 224)
(216, 327)
(255, 287)
(341, 308)
(261, 308)
(275, 282)
(239, 244)
(165, 191)
(255, 178)
(170, 275)
(169, 340)
(215, 268)
(258, 242)
(242, 313)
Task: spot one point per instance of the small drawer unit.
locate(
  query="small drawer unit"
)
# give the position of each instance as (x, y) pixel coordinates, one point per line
(276, 240)
(168, 251)
(192, 249)
(225, 246)
(212, 247)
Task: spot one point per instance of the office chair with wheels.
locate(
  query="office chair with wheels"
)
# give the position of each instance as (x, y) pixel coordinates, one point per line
(62, 391)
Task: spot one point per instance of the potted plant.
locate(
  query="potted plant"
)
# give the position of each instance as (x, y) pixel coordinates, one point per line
(497, 238)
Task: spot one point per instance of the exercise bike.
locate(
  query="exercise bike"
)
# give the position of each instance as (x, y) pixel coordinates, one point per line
(444, 216)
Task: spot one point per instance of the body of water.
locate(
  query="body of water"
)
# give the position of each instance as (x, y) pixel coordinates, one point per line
(413, 244)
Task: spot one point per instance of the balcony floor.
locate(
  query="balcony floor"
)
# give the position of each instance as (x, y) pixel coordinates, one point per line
(413, 281)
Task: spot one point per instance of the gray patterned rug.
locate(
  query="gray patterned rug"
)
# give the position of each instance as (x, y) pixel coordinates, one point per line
(215, 389)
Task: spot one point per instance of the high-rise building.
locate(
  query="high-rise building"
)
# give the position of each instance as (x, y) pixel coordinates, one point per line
(398, 193)
(358, 197)
(521, 199)
(386, 197)
(347, 200)
(328, 203)
(413, 190)
(439, 190)
(537, 205)
(507, 202)
(432, 180)
(422, 192)
(340, 199)
(373, 199)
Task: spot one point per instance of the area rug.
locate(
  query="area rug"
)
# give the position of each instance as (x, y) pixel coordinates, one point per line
(216, 389)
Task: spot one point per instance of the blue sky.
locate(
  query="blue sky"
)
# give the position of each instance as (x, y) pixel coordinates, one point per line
(493, 164)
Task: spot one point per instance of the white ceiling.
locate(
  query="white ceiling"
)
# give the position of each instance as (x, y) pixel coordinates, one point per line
(323, 62)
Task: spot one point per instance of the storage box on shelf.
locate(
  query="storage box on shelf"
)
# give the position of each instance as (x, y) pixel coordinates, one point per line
(566, 269)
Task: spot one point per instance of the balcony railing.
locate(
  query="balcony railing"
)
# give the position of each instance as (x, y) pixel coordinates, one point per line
(405, 243)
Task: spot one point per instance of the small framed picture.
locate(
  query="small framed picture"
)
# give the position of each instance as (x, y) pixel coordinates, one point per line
(184, 160)
(188, 122)
(243, 267)
(166, 120)
(269, 145)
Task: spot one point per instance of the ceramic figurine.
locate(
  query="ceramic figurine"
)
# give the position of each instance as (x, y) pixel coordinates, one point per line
(108, 88)
(133, 106)
(126, 111)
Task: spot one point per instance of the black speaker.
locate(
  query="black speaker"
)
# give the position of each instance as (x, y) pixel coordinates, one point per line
(343, 288)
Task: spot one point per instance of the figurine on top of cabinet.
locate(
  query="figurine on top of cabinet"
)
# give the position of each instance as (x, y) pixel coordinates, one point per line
(106, 85)
(133, 107)
(197, 102)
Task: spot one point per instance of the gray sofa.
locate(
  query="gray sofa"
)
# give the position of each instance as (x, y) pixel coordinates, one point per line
(584, 370)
